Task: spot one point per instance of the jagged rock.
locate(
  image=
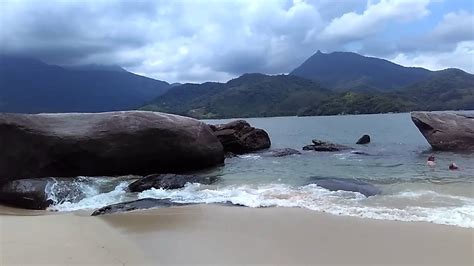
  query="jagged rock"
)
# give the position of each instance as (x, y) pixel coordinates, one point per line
(239, 137)
(365, 139)
(446, 131)
(103, 144)
(319, 145)
(354, 185)
(168, 181)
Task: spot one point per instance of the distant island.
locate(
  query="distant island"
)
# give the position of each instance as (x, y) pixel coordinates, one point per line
(325, 84)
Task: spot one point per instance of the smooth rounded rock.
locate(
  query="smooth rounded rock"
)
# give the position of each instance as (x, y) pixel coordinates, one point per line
(353, 185)
(103, 144)
(446, 131)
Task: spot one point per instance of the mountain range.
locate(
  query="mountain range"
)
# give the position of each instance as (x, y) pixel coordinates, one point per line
(31, 86)
(325, 84)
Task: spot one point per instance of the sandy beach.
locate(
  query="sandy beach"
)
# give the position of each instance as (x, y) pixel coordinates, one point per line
(210, 234)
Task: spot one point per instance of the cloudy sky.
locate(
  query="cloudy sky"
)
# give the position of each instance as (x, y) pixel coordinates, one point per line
(196, 41)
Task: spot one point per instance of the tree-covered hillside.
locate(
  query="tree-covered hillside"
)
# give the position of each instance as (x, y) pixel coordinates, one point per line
(248, 95)
(255, 95)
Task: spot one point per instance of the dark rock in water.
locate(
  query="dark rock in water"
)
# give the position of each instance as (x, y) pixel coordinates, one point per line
(446, 131)
(319, 145)
(281, 152)
(168, 181)
(365, 139)
(360, 153)
(103, 144)
(239, 137)
(141, 204)
(37, 193)
(334, 184)
(26, 193)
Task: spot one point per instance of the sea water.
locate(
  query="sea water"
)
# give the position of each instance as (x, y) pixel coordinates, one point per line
(394, 161)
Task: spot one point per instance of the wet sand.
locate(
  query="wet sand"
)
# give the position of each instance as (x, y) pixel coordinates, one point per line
(210, 234)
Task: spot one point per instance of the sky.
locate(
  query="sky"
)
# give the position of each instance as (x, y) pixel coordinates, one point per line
(216, 40)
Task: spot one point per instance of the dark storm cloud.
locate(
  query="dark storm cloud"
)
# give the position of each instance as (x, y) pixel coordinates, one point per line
(70, 31)
(214, 39)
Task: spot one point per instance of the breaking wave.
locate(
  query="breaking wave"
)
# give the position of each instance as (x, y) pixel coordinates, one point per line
(460, 213)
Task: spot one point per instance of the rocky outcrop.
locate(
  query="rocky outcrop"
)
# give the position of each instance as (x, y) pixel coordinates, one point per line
(446, 131)
(141, 204)
(354, 185)
(281, 152)
(319, 145)
(103, 144)
(239, 137)
(365, 139)
(168, 181)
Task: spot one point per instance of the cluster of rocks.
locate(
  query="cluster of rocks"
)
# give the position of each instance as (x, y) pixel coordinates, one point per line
(319, 145)
(239, 137)
(35, 147)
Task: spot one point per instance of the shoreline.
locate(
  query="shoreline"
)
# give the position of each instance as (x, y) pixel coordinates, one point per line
(212, 234)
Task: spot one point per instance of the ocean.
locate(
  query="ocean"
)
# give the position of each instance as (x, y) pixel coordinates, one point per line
(394, 162)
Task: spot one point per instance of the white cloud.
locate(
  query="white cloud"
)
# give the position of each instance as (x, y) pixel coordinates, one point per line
(461, 57)
(215, 40)
(455, 27)
(354, 26)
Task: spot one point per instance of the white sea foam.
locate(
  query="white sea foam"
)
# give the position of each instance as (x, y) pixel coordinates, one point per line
(318, 199)
(250, 156)
(93, 199)
(311, 197)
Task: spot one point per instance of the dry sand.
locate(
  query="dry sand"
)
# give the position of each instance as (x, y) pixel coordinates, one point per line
(205, 234)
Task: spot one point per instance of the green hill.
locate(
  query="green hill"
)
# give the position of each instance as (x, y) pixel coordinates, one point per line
(449, 89)
(246, 96)
(257, 95)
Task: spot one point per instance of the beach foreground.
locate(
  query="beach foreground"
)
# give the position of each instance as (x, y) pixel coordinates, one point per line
(210, 234)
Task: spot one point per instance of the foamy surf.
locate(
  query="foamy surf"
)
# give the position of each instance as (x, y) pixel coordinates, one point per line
(310, 197)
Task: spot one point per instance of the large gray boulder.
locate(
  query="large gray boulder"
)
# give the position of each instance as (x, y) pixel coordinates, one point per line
(103, 144)
(446, 131)
(27, 193)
